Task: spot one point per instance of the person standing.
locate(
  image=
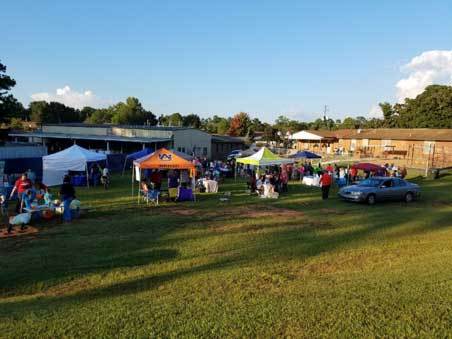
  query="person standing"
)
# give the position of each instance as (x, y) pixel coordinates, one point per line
(105, 177)
(20, 186)
(325, 183)
(67, 193)
(156, 179)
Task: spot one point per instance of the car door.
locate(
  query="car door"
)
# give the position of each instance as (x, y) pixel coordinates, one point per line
(387, 190)
(400, 189)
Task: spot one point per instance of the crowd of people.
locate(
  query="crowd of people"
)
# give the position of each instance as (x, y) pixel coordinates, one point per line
(30, 193)
(178, 183)
(273, 181)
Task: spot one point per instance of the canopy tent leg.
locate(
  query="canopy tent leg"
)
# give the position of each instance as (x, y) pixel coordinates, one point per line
(138, 195)
(124, 167)
(87, 175)
(133, 179)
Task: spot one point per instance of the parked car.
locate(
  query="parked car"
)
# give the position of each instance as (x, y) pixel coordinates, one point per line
(234, 154)
(377, 189)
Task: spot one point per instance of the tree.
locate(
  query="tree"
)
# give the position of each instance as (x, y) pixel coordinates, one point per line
(349, 123)
(37, 111)
(100, 116)
(86, 113)
(240, 123)
(175, 119)
(191, 120)
(131, 113)
(388, 114)
(430, 109)
(215, 125)
(9, 106)
(270, 133)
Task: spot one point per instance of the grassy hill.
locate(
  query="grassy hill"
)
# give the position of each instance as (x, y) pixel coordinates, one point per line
(296, 266)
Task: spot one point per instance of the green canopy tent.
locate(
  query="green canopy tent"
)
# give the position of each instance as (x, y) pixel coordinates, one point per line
(264, 157)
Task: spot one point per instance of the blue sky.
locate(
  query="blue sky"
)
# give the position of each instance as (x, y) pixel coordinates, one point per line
(210, 57)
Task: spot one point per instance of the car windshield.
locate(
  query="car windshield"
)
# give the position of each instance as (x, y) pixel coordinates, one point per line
(370, 182)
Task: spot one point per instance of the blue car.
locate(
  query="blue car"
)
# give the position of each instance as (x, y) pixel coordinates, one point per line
(378, 189)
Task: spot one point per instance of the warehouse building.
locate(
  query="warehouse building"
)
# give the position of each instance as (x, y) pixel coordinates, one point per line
(123, 139)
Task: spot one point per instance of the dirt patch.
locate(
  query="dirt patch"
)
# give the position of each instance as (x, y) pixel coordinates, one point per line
(270, 212)
(333, 211)
(17, 232)
(247, 212)
(441, 203)
(185, 211)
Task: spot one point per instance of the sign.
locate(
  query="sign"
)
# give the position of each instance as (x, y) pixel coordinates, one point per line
(165, 157)
(137, 173)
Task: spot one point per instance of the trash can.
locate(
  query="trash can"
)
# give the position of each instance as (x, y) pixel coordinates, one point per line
(434, 173)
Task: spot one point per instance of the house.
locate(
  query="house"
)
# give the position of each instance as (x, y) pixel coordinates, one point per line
(418, 147)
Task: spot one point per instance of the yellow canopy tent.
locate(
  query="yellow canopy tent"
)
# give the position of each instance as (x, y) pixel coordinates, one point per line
(263, 157)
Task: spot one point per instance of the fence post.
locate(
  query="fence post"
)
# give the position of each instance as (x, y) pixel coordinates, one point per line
(428, 159)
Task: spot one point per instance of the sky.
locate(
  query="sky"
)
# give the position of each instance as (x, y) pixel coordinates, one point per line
(267, 58)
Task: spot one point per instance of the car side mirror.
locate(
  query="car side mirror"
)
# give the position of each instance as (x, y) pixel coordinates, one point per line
(382, 186)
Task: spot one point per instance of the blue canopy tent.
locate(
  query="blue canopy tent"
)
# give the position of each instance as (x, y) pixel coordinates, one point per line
(136, 155)
(304, 155)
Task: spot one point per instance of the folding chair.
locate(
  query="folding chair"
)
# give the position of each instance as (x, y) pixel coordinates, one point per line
(151, 197)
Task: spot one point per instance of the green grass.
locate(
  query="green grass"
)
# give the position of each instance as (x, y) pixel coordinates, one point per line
(246, 268)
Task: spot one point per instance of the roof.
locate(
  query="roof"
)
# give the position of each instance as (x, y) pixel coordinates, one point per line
(422, 134)
(313, 135)
(87, 137)
(163, 159)
(264, 157)
(73, 153)
(226, 139)
(160, 128)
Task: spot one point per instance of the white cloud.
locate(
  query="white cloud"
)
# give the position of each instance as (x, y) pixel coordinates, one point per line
(71, 98)
(375, 112)
(430, 67)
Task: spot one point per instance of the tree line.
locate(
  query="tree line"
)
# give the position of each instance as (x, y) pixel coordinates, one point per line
(430, 109)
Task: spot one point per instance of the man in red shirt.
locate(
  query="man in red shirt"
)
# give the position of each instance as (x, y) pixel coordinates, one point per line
(21, 186)
(325, 182)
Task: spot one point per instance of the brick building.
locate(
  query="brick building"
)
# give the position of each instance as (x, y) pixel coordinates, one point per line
(418, 147)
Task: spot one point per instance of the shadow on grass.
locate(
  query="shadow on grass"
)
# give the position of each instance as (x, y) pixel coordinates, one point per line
(121, 246)
(18, 308)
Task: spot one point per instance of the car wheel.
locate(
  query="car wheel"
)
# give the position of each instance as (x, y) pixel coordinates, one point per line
(409, 197)
(371, 200)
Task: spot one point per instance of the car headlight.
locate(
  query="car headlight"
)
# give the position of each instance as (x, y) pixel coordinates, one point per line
(356, 193)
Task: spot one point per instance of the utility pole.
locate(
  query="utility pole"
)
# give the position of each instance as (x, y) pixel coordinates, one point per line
(325, 110)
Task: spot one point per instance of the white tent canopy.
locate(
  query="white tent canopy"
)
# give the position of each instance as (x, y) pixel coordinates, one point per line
(304, 135)
(74, 158)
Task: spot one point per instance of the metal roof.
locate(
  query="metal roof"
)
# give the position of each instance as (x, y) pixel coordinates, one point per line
(409, 134)
(87, 137)
(226, 139)
(86, 125)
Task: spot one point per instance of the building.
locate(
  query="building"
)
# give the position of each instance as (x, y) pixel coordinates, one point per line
(222, 145)
(118, 138)
(127, 139)
(417, 147)
(16, 158)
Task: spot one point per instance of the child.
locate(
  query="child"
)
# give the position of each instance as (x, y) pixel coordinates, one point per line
(48, 198)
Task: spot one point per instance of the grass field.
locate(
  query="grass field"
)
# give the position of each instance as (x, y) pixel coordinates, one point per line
(296, 266)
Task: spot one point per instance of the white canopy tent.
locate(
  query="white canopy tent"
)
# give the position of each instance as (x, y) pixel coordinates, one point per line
(74, 158)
